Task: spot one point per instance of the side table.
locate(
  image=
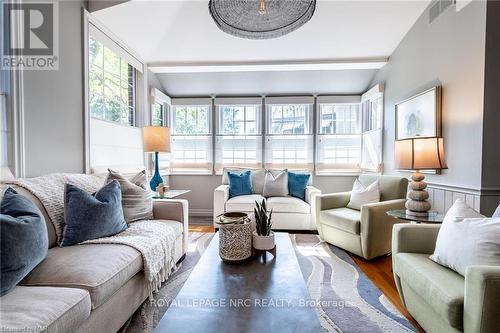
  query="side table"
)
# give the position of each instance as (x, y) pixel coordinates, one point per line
(171, 194)
(433, 217)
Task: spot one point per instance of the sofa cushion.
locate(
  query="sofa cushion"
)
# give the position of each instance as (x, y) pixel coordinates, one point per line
(345, 219)
(24, 240)
(276, 184)
(258, 176)
(441, 288)
(90, 216)
(33, 309)
(243, 203)
(137, 197)
(99, 268)
(288, 205)
(240, 183)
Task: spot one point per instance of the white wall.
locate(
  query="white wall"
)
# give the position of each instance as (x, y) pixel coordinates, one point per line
(342, 82)
(53, 103)
(449, 52)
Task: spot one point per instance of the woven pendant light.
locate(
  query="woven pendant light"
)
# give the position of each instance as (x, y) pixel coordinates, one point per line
(261, 19)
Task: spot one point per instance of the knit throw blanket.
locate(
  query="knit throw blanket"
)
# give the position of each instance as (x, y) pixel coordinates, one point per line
(152, 238)
(155, 241)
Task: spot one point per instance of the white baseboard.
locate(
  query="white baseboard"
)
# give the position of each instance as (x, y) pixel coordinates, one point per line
(200, 212)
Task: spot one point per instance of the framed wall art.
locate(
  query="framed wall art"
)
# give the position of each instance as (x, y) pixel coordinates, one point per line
(419, 115)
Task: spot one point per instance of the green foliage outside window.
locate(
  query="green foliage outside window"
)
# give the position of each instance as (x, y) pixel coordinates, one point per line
(191, 120)
(111, 85)
(157, 115)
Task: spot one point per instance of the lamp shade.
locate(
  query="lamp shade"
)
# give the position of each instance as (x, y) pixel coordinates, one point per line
(156, 139)
(420, 154)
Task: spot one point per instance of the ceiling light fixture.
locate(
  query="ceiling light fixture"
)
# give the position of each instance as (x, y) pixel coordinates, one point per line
(261, 19)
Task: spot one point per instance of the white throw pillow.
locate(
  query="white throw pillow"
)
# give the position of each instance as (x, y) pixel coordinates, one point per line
(361, 195)
(276, 184)
(467, 238)
(497, 212)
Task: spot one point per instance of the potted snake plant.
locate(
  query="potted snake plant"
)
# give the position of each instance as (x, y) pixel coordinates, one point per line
(263, 236)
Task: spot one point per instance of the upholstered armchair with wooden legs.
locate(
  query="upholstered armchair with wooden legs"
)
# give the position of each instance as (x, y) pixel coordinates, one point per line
(366, 232)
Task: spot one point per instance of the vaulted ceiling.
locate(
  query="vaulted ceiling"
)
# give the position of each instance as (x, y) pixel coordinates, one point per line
(178, 33)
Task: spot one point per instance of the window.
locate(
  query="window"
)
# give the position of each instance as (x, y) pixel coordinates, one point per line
(112, 82)
(349, 133)
(339, 138)
(191, 139)
(158, 114)
(239, 136)
(371, 156)
(289, 139)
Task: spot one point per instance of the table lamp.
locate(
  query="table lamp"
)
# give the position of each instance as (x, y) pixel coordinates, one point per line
(420, 153)
(156, 140)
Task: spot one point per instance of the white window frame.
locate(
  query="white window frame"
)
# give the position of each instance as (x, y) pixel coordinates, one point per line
(91, 26)
(337, 168)
(372, 143)
(368, 136)
(243, 160)
(180, 166)
(304, 158)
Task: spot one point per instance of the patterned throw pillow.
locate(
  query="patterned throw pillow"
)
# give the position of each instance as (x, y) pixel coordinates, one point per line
(137, 198)
(90, 216)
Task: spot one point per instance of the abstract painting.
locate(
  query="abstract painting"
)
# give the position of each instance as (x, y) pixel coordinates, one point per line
(419, 115)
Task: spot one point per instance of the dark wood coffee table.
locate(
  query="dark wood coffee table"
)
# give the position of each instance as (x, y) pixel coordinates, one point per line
(248, 297)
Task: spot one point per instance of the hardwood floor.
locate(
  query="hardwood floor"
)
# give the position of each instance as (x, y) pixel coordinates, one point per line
(378, 270)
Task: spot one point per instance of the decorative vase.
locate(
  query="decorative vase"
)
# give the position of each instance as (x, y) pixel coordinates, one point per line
(156, 180)
(264, 243)
(235, 241)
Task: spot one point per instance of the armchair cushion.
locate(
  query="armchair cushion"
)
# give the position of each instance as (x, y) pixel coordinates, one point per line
(243, 203)
(362, 195)
(345, 219)
(441, 288)
(288, 205)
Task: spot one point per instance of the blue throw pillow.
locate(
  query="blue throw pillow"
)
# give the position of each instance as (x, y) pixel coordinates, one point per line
(297, 183)
(90, 216)
(240, 183)
(24, 241)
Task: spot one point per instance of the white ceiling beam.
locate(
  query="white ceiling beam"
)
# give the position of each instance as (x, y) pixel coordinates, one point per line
(325, 65)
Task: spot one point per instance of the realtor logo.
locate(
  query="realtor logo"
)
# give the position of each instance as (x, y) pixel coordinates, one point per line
(30, 38)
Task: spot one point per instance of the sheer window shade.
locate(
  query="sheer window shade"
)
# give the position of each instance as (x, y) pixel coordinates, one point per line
(371, 156)
(349, 133)
(289, 138)
(191, 137)
(238, 142)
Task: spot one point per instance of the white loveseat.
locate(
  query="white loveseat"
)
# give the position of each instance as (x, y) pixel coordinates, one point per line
(289, 213)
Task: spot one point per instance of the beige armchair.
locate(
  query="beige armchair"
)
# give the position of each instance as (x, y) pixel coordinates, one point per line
(366, 233)
(440, 299)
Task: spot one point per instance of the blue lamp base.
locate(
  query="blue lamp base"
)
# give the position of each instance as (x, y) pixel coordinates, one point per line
(156, 180)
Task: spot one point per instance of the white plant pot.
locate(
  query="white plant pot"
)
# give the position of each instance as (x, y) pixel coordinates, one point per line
(263, 242)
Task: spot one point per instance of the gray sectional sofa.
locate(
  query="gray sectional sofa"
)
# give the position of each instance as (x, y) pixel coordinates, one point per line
(86, 288)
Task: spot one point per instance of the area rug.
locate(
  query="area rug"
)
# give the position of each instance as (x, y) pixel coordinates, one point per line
(345, 298)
